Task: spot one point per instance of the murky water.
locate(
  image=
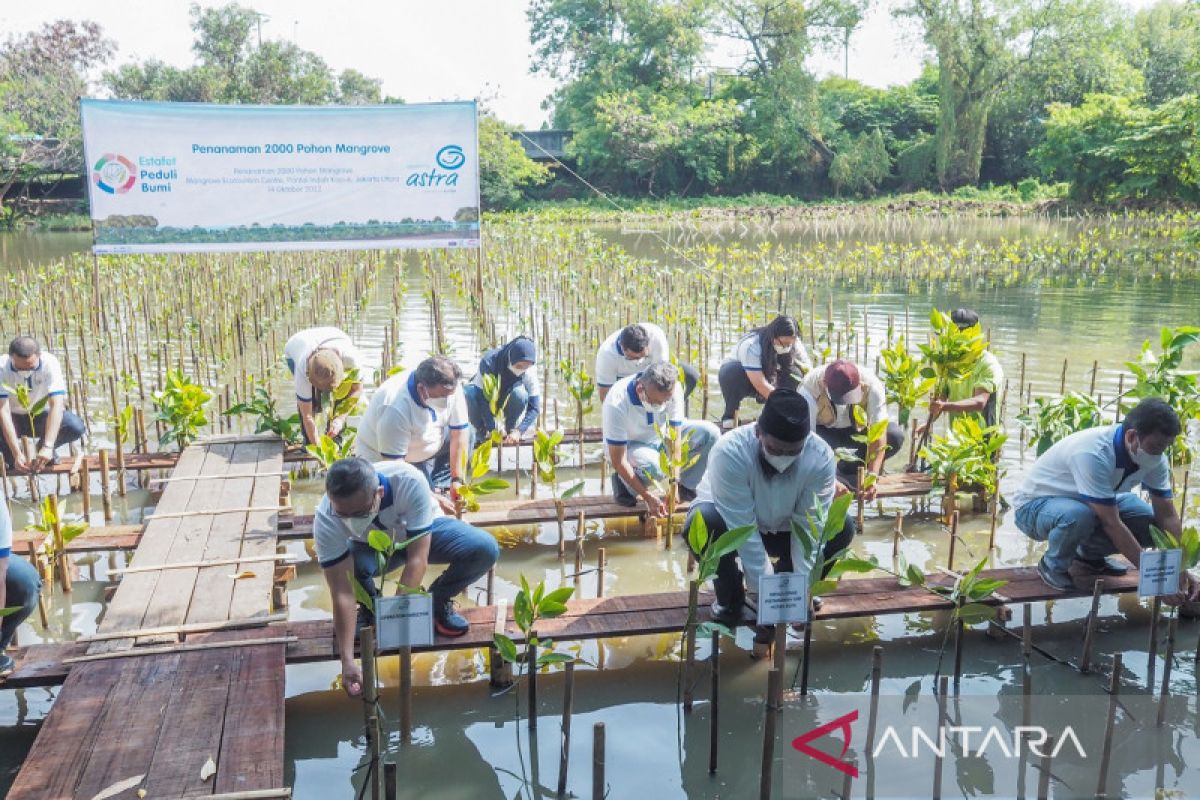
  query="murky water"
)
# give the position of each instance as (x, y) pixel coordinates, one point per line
(471, 743)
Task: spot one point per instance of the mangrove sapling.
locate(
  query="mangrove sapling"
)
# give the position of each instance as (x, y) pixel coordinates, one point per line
(328, 449)
(708, 552)
(902, 380)
(475, 484)
(1160, 376)
(674, 456)
(342, 401)
(33, 410)
(56, 535)
(545, 465)
(964, 458)
(582, 389)
(267, 418)
(1050, 419)
(180, 406)
(950, 356)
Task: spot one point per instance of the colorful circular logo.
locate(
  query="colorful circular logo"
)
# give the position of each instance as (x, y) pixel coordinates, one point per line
(114, 174)
(450, 157)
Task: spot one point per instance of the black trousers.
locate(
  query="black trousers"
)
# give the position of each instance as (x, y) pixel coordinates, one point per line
(729, 582)
(71, 430)
(736, 386)
(842, 438)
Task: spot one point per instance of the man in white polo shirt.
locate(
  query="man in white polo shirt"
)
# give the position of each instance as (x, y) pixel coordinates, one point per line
(835, 389)
(769, 474)
(420, 418)
(54, 426)
(1077, 497)
(392, 497)
(318, 359)
(632, 414)
(629, 350)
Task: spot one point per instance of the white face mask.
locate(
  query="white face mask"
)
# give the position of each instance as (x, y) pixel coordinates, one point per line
(359, 526)
(515, 371)
(655, 408)
(1143, 459)
(440, 403)
(782, 349)
(779, 462)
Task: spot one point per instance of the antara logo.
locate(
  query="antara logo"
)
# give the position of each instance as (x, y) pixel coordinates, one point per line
(842, 723)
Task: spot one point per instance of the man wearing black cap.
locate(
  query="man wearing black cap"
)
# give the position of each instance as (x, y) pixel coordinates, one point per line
(835, 389)
(769, 475)
(975, 393)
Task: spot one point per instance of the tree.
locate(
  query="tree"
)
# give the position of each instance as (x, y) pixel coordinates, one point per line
(1165, 47)
(504, 169)
(42, 76)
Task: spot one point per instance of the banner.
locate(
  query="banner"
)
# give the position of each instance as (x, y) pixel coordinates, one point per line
(194, 177)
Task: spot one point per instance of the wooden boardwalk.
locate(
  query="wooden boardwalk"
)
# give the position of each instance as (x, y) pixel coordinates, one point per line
(602, 618)
(164, 716)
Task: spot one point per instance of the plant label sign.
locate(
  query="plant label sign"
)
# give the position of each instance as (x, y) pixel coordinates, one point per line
(783, 598)
(405, 620)
(1160, 572)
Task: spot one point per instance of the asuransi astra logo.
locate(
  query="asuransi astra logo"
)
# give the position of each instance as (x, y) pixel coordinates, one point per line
(450, 157)
(114, 173)
(970, 739)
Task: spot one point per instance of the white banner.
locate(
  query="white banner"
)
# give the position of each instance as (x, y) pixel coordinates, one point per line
(193, 177)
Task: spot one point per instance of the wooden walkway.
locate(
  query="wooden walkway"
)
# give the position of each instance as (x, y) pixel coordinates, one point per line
(604, 618)
(164, 716)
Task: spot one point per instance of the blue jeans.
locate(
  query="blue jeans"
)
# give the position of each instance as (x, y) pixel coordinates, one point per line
(21, 587)
(469, 551)
(481, 413)
(436, 468)
(700, 436)
(1071, 528)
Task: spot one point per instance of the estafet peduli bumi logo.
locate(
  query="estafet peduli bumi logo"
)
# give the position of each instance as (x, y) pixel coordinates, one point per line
(114, 174)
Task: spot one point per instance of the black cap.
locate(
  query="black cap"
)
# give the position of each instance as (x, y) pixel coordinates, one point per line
(785, 416)
(964, 317)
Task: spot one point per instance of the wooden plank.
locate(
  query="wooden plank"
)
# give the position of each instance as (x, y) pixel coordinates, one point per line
(251, 754)
(252, 596)
(93, 540)
(169, 602)
(127, 608)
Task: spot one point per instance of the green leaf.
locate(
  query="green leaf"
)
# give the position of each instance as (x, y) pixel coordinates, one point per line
(549, 610)
(835, 520)
(851, 564)
(379, 541)
(506, 647)
(821, 587)
(974, 613)
(73, 531)
(697, 534)
(490, 485)
(707, 628)
(571, 492)
(729, 541)
(1162, 539)
(554, 658)
(360, 594)
(559, 595)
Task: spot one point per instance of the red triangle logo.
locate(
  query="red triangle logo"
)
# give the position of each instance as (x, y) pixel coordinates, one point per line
(842, 723)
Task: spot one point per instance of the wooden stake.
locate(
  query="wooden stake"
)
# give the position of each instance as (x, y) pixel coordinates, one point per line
(105, 489)
(1044, 777)
(774, 688)
(1026, 666)
(860, 512)
(1062, 386)
(714, 703)
(941, 715)
(560, 512)
(598, 781)
(1155, 613)
(953, 539)
(1164, 695)
(389, 780)
(897, 531)
(531, 665)
(959, 643)
(1092, 385)
(62, 563)
(564, 750)
(1114, 686)
(406, 675)
(85, 488)
(370, 695)
(579, 532)
(1085, 660)
(994, 520)
(804, 657)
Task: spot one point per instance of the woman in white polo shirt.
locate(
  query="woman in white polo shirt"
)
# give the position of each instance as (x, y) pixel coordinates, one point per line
(763, 360)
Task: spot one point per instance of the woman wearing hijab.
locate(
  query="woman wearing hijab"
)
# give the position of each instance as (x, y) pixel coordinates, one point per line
(520, 392)
(766, 359)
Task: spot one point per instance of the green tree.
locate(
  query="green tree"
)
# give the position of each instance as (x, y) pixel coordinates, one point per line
(505, 171)
(1165, 46)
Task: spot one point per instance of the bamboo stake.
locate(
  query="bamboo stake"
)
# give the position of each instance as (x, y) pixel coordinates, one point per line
(1164, 694)
(531, 656)
(858, 498)
(220, 562)
(941, 715)
(406, 687)
(774, 684)
(370, 695)
(601, 561)
(179, 648)
(714, 703)
(1044, 777)
(1155, 613)
(873, 718)
(953, 539)
(62, 563)
(564, 750)
(1114, 687)
(1085, 660)
(804, 657)
(598, 781)
(105, 490)
(191, 627)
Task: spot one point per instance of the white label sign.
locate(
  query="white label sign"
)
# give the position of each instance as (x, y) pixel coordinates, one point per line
(783, 598)
(405, 620)
(1159, 573)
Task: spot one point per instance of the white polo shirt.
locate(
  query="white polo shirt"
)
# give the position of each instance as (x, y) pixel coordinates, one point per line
(748, 353)
(1094, 466)
(737, 482)
(301, 345)
(624, 417)
(873, 393)
(612, 365)
(46, 380)
(398, 425)
(407, 508)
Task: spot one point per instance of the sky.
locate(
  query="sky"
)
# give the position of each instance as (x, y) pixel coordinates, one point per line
(426, 50)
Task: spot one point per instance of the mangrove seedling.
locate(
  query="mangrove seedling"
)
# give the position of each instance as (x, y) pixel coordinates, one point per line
(964, 457)
(180, 406)
(1160, 376)
(475, 484)
(385, 547)
(1050, 419)
(822, 528)
(267, 418)
(34, 410)
(528, 607)
(674, 456)
(545, 465)
(950, 356)
(1188, 543)
(870, 436)
(328, 449)
(902, 380)
(56, 534)
(582, 389)
(491, 393)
